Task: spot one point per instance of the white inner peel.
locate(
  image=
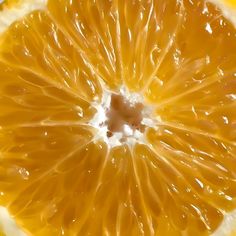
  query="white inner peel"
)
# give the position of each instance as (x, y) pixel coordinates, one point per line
(8, 225)
(7, 17)
(228, 11)
(228, 226)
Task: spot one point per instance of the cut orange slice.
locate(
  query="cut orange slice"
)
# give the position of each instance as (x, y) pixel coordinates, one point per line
(119, 118)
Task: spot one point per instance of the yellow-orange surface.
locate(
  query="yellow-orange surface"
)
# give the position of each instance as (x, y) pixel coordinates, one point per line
(59, 177)
(8, 3)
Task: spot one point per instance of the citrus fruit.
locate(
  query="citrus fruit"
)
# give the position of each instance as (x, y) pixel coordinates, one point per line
(119, 118)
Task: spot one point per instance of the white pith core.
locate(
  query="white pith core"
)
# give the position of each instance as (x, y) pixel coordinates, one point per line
(126, 134)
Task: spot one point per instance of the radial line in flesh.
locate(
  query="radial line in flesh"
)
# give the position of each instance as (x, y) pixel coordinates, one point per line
(44, 78)
(118, 41)
(165, 51)
(144, 39)
(198, 132)
(187, 184)
(211, 80)
(79, 49)
(49, 49)
(92, 198)
(53, 168)
(137, 179)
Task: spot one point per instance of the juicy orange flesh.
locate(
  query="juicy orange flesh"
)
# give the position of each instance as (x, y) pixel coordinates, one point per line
(57, 177)
(231, 2)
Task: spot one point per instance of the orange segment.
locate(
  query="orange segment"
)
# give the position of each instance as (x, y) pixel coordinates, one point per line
(118, 118)
(202, 54)
(29, 100)
(92, 29)
(47, 172)
(46, 52)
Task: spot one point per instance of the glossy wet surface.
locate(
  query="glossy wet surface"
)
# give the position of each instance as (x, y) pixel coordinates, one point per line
(59, 177)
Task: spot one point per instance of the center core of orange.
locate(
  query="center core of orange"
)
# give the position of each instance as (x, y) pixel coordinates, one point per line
(124, 116)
